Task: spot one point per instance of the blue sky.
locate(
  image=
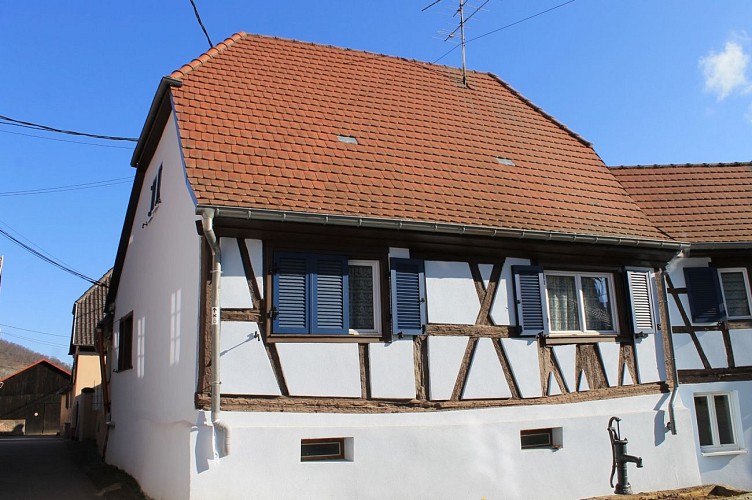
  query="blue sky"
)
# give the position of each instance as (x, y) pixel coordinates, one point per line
(645, 81)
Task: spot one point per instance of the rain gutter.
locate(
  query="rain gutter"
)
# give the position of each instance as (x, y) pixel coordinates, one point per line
(258, 214)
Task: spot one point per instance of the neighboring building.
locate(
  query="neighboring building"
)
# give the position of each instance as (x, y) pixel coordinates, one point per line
(428, 290)
(82, 411)
(710, 304)
(31, 398)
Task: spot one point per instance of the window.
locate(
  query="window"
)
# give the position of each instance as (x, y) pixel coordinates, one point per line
(312, 450)
(717, 421)
(125, 344)
(580, 302)
(735, 288)
(156, 188)
(717, 294)
(325, 294)
(572, 303)
(550, 438)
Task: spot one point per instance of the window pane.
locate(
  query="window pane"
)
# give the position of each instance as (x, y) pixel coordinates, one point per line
(703, 420)
(562, 303)
(361, 298)
(735, 293)
(723, 414)
(597, 303)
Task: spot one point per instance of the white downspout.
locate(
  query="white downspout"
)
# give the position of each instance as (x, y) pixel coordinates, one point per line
(207, 221)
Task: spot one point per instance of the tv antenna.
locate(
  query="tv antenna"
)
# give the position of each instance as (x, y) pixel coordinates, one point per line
(461, 28)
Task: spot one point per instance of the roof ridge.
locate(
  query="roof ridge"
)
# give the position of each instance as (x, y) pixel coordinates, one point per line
(208, 55)
(682, 165)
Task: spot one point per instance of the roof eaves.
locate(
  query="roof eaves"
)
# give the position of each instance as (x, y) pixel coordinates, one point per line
(434, 227)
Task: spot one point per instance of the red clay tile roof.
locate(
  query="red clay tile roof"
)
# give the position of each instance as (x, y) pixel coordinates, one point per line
(708, 203)
(260, 117)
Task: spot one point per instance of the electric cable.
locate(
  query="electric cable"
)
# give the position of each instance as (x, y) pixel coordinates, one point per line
(51, 261)
(71, 187)
(33, 331)
(200, 23)
(63, 140)
(36, 126)
(505, 27)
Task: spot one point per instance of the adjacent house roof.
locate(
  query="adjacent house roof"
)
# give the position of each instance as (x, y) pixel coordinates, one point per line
(88, 311)
(41, 362)
(275, 124)
(707, 203)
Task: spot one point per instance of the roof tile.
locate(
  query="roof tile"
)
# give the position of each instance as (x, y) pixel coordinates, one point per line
(268, 111)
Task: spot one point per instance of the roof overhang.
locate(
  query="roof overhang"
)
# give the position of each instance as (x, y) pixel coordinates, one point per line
(259, 214)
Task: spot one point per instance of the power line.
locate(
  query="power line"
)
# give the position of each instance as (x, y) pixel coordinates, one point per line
(33, 331)
(44, 342)
(200, 23)
(49, 260)
(31, 243)
(72, 187)
(63, 140)
(46, 128)
(505, 27)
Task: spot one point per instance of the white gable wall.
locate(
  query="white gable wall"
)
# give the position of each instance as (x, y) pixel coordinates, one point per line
(153, 402)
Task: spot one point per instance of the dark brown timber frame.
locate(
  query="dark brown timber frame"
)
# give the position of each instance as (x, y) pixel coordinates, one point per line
(374, 244)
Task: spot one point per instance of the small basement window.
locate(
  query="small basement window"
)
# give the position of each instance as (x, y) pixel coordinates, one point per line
(312, 450)
(548, 438)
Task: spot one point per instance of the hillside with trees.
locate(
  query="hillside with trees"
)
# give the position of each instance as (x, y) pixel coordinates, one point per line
(14, 357)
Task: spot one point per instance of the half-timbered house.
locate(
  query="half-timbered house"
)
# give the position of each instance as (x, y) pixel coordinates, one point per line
(708, 286)
(349, 275)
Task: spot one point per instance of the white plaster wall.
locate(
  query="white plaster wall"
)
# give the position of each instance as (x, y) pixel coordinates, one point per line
(685, 353)
(321, 369)
(503, 309)
(525, 365)
(153, 402)
(244, 363)
(450, 293)
(444, 359)
(610, 356)
(741, 343)
(485, 378)
(714, 348)
(566, 356)
(651, 366)
(445, 455)
(734, 469)
(234, 285)
(392, 369)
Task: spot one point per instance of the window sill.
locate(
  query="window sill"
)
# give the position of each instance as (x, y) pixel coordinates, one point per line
(723, 453)
(324, 339)
(561, 339)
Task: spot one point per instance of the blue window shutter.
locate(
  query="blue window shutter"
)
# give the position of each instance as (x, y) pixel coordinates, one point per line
(329, 295)
(291, 293)
(531, 311)
(704, 290)
(408, 296)
(641, 300)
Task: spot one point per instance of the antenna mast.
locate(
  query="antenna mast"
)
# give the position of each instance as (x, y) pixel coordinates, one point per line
(461, 11)
(462, 37)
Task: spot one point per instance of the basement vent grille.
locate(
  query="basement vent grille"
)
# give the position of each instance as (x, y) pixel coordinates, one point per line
(347, 139)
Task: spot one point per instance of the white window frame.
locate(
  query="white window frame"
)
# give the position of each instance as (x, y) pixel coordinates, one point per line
(734, 417)
(746, 287)
(375, 266)
(581, 303)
